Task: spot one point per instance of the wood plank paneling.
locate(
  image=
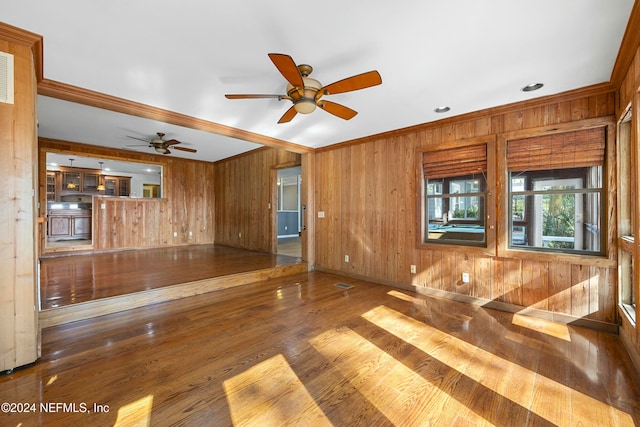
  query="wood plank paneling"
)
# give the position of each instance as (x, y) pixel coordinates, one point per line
(560, 288)
(242, 194)
(385, 167)
(482, 277)
(535, 284)
(18, 322)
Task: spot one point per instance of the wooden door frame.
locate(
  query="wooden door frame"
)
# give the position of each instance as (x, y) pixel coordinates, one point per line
(307, 167)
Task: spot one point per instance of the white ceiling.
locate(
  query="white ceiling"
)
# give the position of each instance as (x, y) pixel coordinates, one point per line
(184, 56)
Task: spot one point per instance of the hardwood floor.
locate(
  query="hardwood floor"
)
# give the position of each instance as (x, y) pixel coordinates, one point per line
(301, 351)
(291, 246)
(74, 279)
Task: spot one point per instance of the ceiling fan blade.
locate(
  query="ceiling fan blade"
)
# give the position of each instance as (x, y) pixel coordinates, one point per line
(190, 150)
(139, 139)
(360, 81)
(249, 96)
(337, 109)
(288, 68)
(172, 142)
(290, 114)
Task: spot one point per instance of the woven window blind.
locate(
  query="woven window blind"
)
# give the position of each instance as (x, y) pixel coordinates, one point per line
(559, 151)
(452, 162)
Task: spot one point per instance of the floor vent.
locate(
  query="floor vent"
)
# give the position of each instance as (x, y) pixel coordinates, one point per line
(6, 78)
(343, 285)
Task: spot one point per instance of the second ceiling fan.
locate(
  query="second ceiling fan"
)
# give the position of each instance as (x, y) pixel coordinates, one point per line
(162, 145)
(305, 93)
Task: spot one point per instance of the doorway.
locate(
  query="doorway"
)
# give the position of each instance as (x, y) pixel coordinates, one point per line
(288, 216)
(151, 190)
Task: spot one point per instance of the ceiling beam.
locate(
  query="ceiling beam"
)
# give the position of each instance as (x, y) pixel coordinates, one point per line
(91, 98)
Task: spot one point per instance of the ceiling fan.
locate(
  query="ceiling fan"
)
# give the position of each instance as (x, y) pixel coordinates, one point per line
(161, 145)
(306, 93)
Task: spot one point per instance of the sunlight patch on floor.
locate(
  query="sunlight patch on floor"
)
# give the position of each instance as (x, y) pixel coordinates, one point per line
(545, 397)
(136, 413)
(554, 329)
(384, 381)
(270, 393)
(52, 380)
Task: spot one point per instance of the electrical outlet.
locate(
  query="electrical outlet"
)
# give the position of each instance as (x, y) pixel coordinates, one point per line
(190, 233)
(346, 258)
(321, 214)
(413, 269)
(175, 234)
(465, 278)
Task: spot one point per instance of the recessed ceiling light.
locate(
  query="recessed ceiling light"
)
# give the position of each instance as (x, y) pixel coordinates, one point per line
(442, 109)
(532, 87)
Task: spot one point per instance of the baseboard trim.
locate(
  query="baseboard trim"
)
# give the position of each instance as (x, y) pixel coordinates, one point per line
(633, 353)
(524, 311)
(495, 305)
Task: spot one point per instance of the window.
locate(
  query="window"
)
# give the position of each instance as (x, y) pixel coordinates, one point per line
(455, 195)
(626, 218)
(556, 193)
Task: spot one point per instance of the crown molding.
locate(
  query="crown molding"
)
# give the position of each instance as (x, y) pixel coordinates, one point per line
(34, 41)
(628, 46)
(594, 90)
(91, 98)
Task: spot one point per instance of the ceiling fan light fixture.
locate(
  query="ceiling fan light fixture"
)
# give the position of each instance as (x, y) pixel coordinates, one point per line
(161, 150)
(304, 99)
(305, 106)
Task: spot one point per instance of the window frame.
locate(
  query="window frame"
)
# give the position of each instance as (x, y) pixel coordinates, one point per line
(540, 176)
(627, 173)
(607, 258)
(489, 246)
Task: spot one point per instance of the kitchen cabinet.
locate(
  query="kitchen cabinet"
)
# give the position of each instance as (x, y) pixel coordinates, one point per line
(70, 181)
(53, 186)
(117, 185)
(90, 182)
(68, 224)
(78, 181)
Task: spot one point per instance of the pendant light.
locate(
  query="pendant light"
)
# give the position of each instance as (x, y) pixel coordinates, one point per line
(71, 185)
(100, 179)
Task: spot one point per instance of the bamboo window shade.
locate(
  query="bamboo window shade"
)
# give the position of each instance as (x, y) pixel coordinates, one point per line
(559, 151)
(460, 161)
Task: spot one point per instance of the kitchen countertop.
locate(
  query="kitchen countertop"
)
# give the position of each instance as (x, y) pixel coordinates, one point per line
(68, 205)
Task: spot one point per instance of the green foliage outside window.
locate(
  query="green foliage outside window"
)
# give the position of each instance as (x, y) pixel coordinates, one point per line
(558, 213)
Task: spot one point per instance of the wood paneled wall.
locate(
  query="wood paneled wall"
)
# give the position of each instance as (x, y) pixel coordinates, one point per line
(187, 207)
(19, 343)
(630, 95)
(368, 192)
(245, 198)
